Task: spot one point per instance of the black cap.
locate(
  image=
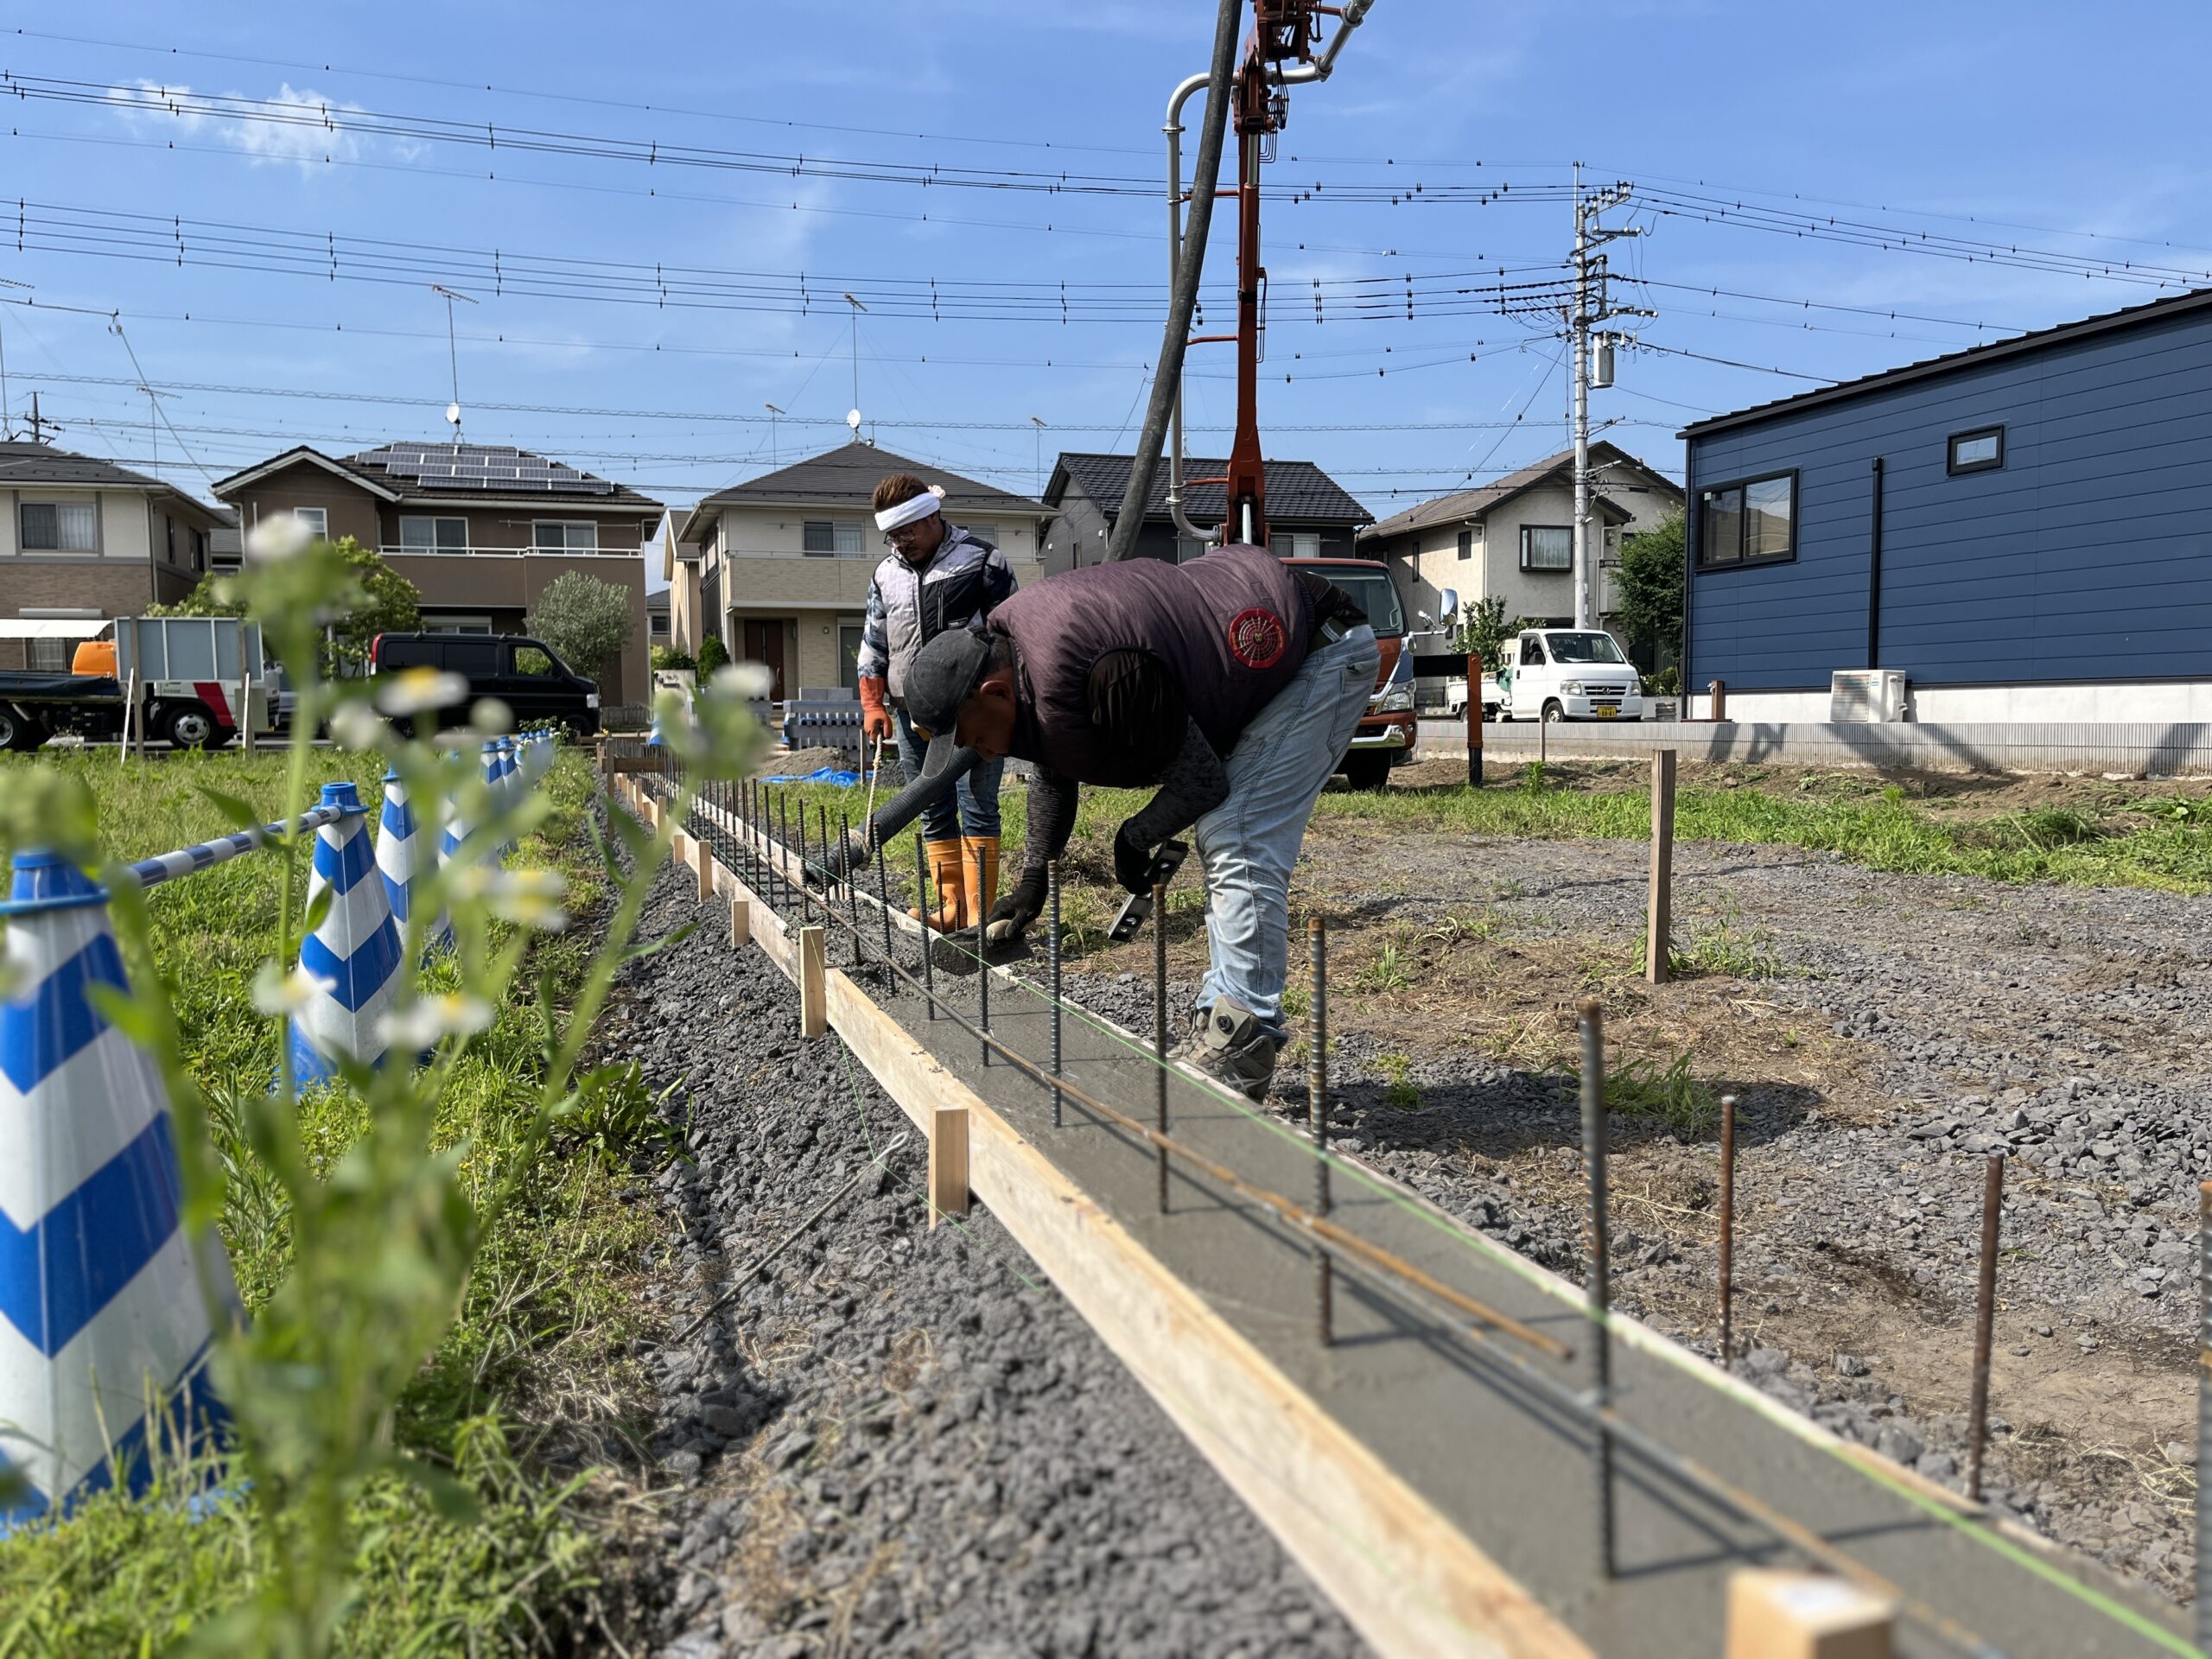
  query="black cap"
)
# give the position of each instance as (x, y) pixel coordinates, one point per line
(944, 675)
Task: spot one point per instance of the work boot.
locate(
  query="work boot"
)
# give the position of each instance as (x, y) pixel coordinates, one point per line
(949, 877)
(1187, 1048)
(1236, 1050)
(980, 856)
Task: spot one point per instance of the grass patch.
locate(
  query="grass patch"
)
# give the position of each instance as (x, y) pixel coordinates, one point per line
(1399, 1092)
(1666, 1095)
(516, 1398)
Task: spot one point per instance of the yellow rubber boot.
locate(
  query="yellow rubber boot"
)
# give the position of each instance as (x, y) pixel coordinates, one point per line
(948, 878)
(981, 856)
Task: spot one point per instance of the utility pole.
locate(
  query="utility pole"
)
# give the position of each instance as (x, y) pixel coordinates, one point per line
(38, 426)
(1593, 304)
(1037, 447)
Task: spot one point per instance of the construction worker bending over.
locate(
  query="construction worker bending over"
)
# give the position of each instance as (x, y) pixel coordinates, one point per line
(935, 577)
(1233, 683)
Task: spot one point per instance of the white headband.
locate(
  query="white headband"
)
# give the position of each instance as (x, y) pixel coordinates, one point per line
(907, 512)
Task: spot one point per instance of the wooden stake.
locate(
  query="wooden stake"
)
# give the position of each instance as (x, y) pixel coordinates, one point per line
(1777, 1615)
(813, 1003)
(948, 1161)
(740, 923)
(1659, 913)
(702, 856)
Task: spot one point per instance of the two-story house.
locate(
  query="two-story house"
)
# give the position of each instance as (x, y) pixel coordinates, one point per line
(481, 529)
(1309, 515)
(83, 539)
(784, 560)
(1515, 538)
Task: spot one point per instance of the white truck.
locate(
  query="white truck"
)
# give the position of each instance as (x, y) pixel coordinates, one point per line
(1552, 674)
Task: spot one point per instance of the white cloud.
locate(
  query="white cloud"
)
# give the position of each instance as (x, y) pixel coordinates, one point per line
(296, 125)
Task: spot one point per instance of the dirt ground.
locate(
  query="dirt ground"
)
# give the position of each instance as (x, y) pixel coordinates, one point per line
(1883, 1036)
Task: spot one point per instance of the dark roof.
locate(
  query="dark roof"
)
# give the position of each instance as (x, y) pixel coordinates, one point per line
(1298, 492)
(26, 463)
(2132, 317)
(1475, 503)
(447, 472)
(847, 477)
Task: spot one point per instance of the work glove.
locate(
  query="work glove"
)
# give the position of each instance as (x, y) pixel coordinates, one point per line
(875, 716)
(1133, 857)
(1010, 917)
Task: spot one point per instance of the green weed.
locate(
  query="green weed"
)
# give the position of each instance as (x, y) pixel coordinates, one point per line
(1667, 1094)
(1398, 1090)
(1389, 971)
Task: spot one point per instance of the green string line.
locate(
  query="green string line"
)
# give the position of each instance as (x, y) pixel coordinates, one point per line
(1540, 1280)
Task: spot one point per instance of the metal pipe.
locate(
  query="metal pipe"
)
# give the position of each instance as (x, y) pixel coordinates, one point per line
(1184, 89)
(1297, 75)
(2204, 1412)
(1727, 1229)
(1599, 1282)
(1052, 967)
(1159, 1023)
(1993, 1205)
(1317, 1113)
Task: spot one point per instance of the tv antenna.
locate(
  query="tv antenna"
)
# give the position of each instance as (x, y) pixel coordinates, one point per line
(453, 355)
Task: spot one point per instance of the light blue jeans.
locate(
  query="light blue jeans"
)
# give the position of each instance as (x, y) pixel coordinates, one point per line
(970, 808)
(1248, 844)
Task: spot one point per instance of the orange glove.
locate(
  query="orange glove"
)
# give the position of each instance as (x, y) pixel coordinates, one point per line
(875, 716)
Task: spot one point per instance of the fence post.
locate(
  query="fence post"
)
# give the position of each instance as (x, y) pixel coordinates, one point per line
(1474, 717)
(1659, 912)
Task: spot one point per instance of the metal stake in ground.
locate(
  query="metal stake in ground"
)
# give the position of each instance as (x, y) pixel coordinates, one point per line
(805, 887)
(1993, 1205)
(1600, 1284)
(2203, 1411)
(852, 881)
(922, 905)
(883, 902)
(982, 996)
(1317, 1115)
(1727, 1229)
(1052, 968)
(1160, 1021)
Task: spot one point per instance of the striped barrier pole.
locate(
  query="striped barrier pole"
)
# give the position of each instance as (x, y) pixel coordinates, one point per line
(353, 952)
(101, 1300)
(167, 866)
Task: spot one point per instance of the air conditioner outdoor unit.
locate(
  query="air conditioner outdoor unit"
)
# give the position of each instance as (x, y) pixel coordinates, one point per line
(1860, 696)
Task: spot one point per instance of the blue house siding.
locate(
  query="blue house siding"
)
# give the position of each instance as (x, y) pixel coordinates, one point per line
(2087, 556)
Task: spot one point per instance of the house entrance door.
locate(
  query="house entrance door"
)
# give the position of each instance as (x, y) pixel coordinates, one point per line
(764, 643)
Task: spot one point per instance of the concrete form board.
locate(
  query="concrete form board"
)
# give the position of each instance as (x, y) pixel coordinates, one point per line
(2156, 749)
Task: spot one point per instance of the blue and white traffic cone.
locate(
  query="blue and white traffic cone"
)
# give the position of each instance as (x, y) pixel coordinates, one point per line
(101, 1301)
(354, 949)
(405, 855)
(496, 779)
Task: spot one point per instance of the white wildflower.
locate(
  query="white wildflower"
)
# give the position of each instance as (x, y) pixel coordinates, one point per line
(527, 897)
(420, 691)
(276, 992)
(491, 717)
(355, 726)
(281, 535)
(430, 1020)
(747, 681)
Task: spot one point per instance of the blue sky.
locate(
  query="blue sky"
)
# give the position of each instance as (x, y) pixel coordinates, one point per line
(2017, 126)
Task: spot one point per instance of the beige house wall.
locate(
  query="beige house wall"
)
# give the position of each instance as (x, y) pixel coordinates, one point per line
(129, 571)
(1426, 561)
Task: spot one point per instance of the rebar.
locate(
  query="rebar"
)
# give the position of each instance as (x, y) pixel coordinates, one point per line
(805, 887)
(922, 911)
(1159, 1021)
(1727, 1229)
(1317, 1115)
(852, 884)
(1053, 969)
(1599, 1282)
(883, 905)
(1993, 1206)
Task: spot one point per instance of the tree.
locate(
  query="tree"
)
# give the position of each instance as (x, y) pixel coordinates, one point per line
(1650, 586)
(1484, 631)
(712, 655)
(672, 657)
(587, 621)
(375, 599)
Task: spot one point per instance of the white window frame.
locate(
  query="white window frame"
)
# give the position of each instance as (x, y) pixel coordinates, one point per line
(59, 504)
(435, 521)
(1286, 543)
(847, 539)
(317, 519)
(59, 651)
(1529, 549)
(564, 525)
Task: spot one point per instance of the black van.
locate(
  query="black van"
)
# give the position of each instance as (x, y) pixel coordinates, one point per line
(522, 673)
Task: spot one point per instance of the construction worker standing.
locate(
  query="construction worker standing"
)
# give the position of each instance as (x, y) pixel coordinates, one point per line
(1233, 683)
(935, 577)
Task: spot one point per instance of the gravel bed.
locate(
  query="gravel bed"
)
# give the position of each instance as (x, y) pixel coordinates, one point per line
(2059, 1026)
(898, 1440)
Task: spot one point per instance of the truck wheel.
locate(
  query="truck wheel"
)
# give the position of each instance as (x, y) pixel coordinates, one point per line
(188, 726)
(1369, 769)
(1554, 713)
(18, 734)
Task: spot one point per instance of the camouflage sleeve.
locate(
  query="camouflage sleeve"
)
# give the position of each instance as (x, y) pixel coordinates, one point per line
(875, 638)
(998, 581)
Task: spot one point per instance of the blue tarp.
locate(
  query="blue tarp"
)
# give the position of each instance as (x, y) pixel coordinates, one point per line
(827, 775)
